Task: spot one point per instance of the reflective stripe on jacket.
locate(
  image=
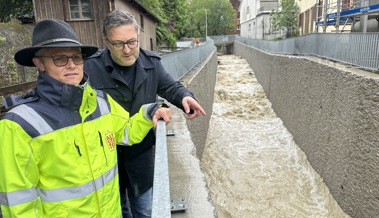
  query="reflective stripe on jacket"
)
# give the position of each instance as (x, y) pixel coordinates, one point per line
(58, 153)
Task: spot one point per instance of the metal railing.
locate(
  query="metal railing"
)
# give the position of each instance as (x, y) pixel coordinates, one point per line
(223, 38)
(19, 88)
(161, 188)
(177, 65)
(358, 50)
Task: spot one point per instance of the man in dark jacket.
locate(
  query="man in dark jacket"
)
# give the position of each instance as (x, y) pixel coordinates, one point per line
(134, 77)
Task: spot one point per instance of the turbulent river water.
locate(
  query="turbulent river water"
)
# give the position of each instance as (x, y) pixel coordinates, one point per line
(252, 166)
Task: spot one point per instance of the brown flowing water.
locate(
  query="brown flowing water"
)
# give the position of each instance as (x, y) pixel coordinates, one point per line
(252, 166)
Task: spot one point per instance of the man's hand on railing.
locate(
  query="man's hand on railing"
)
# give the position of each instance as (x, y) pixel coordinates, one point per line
(163, 113)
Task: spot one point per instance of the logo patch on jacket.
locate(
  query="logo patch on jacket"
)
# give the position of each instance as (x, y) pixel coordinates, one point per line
(111, 140)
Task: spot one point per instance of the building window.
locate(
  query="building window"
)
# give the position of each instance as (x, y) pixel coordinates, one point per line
(141, 21)
(80, 9)
(249, 26)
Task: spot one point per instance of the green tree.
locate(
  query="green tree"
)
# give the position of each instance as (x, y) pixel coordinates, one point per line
(9, 8)
(176, 14)
(286, 18)
(220, 17)
(173, 19)
(217, 15)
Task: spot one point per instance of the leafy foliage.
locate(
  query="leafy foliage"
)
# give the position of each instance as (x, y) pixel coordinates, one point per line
(10, 8)
(173, 17)
(217, 15)
(176, 13)
(187, 18)
(287, 18)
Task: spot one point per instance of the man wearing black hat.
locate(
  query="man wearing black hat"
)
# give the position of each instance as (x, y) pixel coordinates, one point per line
(58, 146)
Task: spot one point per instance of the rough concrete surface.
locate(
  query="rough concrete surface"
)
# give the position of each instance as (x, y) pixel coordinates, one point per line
(186, 179)
(201, 81)
(186, 147)
(332, 112)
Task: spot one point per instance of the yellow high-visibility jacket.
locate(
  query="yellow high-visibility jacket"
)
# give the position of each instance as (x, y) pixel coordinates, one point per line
(58, 152)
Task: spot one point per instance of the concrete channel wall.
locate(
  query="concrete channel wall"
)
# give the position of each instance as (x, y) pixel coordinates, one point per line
(201, 81)
(332, 111)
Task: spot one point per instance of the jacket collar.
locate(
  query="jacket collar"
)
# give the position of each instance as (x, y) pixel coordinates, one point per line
(60, 94)
(143, 63)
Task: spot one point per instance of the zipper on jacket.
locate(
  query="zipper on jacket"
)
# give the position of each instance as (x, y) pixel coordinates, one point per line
(77, 148)
(102, 145)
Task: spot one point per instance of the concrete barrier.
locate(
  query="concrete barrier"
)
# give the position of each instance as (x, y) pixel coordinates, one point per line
(332, 112)
(201, 81)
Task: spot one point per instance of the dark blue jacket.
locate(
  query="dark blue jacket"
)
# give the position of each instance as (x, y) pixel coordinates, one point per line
(151, 79)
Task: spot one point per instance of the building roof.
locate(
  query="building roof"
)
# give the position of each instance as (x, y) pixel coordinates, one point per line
(143, 9)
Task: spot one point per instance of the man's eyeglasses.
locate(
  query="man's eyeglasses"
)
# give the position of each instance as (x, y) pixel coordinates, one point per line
(120, 45)
(62, 60)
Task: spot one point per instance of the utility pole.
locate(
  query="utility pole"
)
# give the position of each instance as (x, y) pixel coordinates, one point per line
(326, 5)
(317, 14)
(338, 16)
(206, 25)
(364, 16)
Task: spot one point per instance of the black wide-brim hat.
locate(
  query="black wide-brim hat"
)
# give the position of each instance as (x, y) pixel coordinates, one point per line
(51, 34)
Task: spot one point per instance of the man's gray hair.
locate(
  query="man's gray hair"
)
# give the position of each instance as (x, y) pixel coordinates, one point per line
(118, 18)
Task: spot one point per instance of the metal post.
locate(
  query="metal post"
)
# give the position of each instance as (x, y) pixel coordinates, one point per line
(338, 16)
(206, 25)
(364, 17)
(317, 14)
(324, 15)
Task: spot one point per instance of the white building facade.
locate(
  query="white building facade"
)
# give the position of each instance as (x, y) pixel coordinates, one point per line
(255, 19)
